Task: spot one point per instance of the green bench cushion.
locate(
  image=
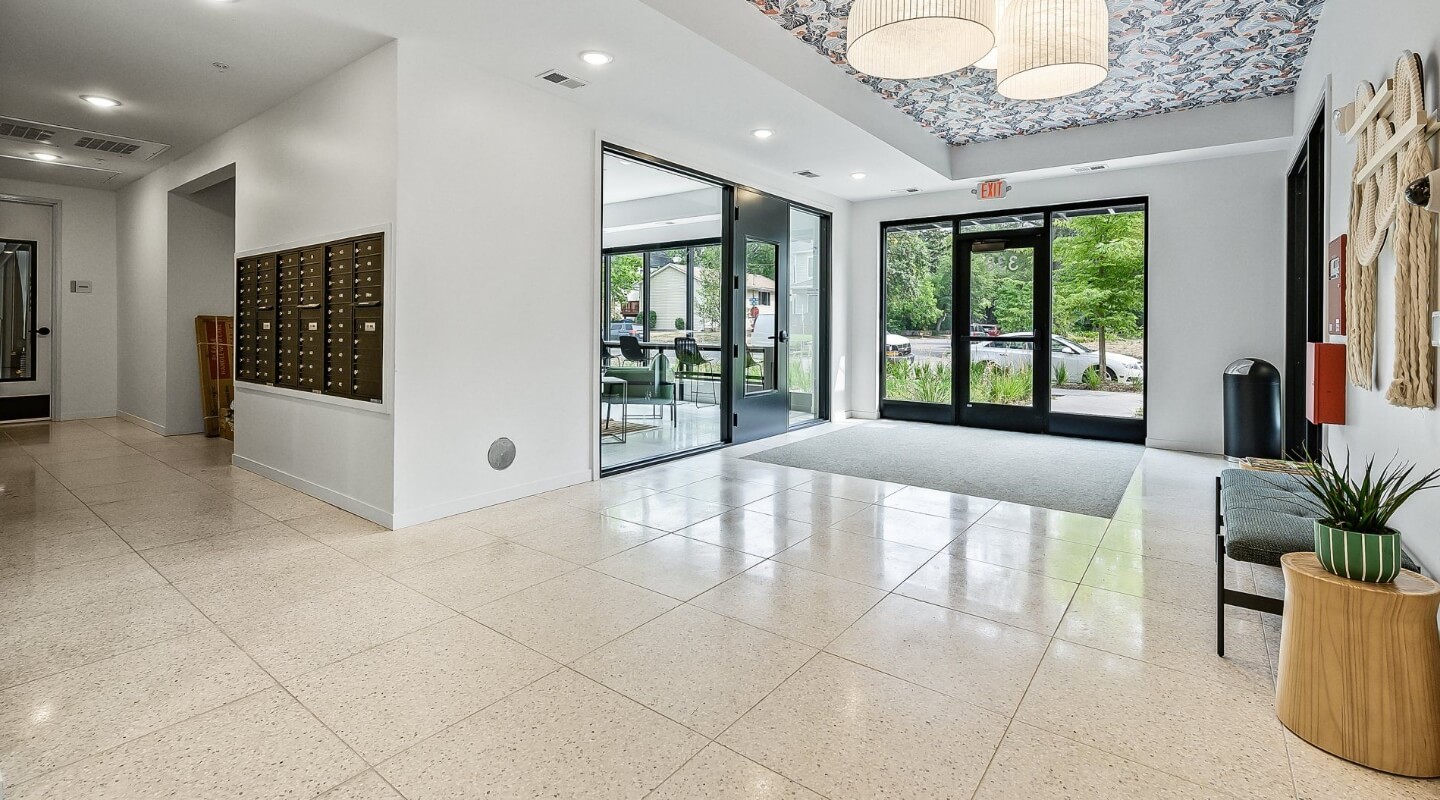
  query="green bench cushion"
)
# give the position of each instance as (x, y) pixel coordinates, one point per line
(1268, 514)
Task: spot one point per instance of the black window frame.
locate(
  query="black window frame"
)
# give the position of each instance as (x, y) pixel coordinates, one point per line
(1057, 424)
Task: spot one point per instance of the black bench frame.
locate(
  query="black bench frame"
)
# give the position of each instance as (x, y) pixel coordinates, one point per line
(1233, 597)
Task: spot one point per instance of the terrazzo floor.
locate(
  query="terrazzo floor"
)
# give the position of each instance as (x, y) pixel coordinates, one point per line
(172, 626)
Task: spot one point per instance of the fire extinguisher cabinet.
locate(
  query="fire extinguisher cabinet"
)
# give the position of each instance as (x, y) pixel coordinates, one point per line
(1252, 410)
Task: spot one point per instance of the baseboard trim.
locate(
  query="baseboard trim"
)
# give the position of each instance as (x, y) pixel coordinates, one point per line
(406, 518)
(357, 507)
(142, 422)
(862, 414)
(80, 416)
(1184, 447)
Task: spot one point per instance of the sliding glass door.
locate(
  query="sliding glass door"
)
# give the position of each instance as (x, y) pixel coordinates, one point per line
(1049, 333)
(713, 313)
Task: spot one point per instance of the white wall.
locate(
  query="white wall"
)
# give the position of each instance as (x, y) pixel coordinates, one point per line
(1356, 43)
(498, 303)
(1216, 278)
(201, 253)
(85, 232)
(319, 165)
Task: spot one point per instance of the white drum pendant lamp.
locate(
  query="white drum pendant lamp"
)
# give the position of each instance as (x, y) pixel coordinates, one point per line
(1053, 48)
(992, 58)
(918, 38)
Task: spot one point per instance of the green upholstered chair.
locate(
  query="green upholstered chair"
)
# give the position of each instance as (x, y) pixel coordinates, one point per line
(650, 385)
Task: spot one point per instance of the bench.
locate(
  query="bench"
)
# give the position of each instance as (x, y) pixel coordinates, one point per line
(1259, 517)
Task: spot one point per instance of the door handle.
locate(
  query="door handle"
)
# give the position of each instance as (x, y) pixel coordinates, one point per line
(782, 336)
(42, 331)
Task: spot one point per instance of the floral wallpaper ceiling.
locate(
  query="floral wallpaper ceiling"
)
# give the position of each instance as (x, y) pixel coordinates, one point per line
(1165, 55)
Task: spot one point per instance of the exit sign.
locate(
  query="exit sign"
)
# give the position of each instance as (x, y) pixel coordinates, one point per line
(992, 190)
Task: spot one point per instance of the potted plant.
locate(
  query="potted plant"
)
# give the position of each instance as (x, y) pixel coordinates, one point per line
(1354, 538)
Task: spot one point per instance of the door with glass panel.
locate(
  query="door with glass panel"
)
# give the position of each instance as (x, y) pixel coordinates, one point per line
(1003, 384)
(25, 307)
(1029, 321)
(759, 305)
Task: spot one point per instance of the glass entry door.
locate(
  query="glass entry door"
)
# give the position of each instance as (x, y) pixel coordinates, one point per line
(1031, 320)
(759, 316)
(1003, 380)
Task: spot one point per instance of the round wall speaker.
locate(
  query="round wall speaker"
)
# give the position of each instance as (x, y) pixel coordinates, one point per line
(502, 453)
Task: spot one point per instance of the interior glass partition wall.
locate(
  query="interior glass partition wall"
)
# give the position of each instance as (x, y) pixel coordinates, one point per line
(805, 314)
(661, 272)
(713, 313)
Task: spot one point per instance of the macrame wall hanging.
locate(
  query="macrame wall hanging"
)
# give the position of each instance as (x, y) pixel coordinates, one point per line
(1391, 129)
(1413, 385)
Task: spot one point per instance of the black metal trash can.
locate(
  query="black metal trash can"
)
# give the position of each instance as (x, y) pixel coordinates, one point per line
(1252, 410)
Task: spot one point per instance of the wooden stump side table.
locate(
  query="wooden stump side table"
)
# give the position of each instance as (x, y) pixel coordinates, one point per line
(1360, 667)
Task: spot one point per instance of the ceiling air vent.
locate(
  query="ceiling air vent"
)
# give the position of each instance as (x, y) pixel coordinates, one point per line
(106, 145)
(29, 133)
(1089, 168)
(911, 190)
(561, 79)
(805, 173)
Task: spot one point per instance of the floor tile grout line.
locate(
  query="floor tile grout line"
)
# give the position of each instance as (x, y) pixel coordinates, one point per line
(277, 684)
(141, 737)
(1029, 684)
(1049, 643)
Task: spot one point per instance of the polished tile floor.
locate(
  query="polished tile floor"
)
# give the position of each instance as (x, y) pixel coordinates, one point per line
(171, 626)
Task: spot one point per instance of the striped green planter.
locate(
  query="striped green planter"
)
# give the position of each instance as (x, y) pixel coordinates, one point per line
(1368, 557)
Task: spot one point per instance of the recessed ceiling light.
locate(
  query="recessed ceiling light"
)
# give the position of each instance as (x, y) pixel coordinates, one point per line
(97, 100)
(45, 156)
(596, 57)
(762, 133)
(859, 176)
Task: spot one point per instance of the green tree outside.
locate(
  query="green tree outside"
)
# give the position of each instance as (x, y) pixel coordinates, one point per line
(624, 277)
(1099, 276)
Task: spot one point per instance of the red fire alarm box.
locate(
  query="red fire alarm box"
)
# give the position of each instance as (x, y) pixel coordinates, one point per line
(1335, 287)
(1325, 386)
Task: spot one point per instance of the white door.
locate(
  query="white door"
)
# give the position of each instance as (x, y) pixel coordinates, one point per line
(26, 264)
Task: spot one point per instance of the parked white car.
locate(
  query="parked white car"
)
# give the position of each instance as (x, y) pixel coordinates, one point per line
(1012, 350)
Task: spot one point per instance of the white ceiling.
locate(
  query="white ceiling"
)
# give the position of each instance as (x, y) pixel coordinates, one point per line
(155, 56)
(697, 76)
(627, 180)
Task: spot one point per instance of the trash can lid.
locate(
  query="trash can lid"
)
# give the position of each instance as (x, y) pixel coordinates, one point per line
(1252, 366)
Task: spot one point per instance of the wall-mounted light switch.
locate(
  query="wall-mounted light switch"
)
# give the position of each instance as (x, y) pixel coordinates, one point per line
(80, 287)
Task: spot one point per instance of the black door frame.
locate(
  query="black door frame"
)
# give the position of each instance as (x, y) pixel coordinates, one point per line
(727, 236)
(1305, 255)
(1056, 424)
(763, 218)
(1022, 419)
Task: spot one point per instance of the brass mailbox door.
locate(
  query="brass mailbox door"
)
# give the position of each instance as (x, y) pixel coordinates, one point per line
(265, 346)
(369, 337)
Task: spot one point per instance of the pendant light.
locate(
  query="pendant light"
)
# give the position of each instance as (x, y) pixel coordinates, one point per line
(918, 38)
(1053, 48)
(991, 60)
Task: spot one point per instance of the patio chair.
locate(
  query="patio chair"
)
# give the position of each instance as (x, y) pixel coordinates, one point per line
(631, 350)
(692, 365)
